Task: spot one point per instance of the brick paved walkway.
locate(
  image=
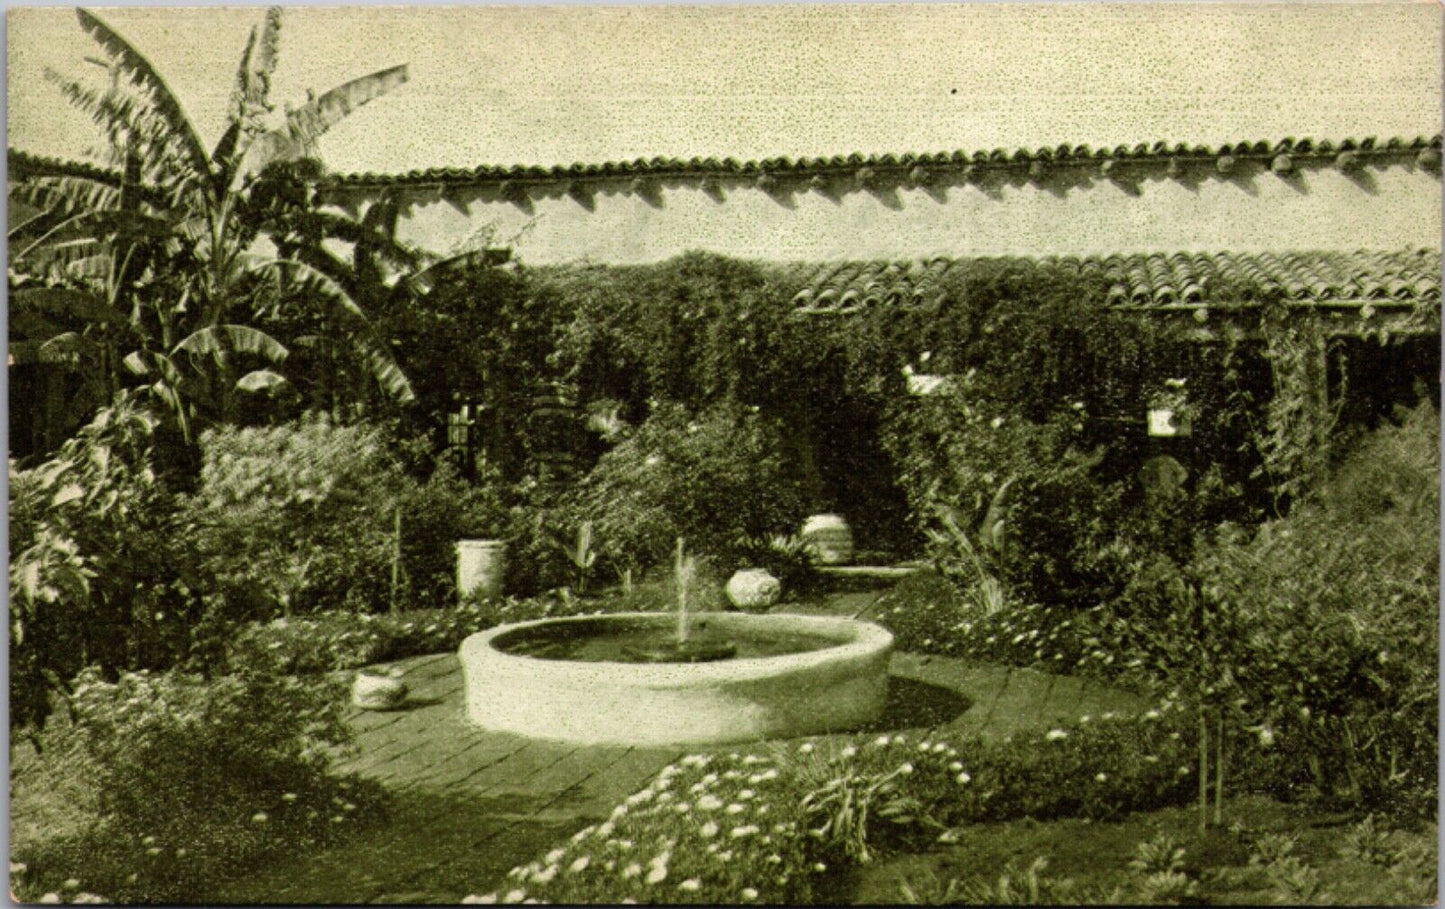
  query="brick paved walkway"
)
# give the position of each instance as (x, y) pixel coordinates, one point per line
(472, 804)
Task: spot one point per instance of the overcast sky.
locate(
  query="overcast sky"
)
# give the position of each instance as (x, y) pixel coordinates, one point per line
(564, 84)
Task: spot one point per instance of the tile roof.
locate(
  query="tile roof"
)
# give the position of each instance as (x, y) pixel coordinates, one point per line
(1280, 155)
(1154, 280)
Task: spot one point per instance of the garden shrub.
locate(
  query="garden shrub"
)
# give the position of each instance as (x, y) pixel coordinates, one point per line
(98, 573)
(195, 779)
(297, 517)
(714, 479)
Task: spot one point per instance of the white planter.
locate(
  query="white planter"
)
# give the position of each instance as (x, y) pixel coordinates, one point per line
(753, 589)
(829, 538)
(481, 566)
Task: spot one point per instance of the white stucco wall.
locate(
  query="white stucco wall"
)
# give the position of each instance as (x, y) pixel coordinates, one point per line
(1075, 211)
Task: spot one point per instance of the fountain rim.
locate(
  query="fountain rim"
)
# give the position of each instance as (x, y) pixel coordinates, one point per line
(855, 639)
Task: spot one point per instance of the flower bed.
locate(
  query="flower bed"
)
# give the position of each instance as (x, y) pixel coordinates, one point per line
(734, 828)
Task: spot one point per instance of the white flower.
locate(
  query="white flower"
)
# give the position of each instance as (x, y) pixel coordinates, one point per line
(955, 766)
(582, 834)
(819, 867)
(708, 830)
(657, 875)
(682, 808)
(709, 803)
(939, 748)
(1100, 777)
(749, 893)
(963, 778)
(996, 422)
(579, 865)
(847, 753)
(746, 830)
(746, 794)
(1085, 718)
(260, 817)
(806, 748)
(1151, 714)
(1055, 734)
(754, 759)
(881, 741)
(486, 899)
(51, 897)
(736, 808)
(555, 856)
(514, 896)
(545, 875)
(905, 768)
(604, 831)
(925, 747)
(691, 884)
(632, 870)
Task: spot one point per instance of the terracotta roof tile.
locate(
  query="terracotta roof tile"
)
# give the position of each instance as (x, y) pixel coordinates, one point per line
(899, 164)
(1146, 279)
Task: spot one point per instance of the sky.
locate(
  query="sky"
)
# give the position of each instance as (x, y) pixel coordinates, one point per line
(557, 85)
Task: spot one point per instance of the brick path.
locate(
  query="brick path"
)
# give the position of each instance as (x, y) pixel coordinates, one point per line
(472, 804)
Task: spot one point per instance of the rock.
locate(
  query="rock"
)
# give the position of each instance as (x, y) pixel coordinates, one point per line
(754, 589)
(374, 691)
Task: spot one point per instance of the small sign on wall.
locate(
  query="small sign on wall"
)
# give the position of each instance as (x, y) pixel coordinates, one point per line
(1167, 422)
(1169, 411)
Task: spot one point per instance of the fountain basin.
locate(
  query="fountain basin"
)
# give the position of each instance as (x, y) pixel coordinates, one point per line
(839, 681)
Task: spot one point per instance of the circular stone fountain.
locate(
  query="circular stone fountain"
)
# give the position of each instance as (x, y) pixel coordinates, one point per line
(612, 679)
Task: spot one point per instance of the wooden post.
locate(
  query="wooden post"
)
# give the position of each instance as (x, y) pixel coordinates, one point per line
(396, 560)
(1219, 772)
(1203, 771)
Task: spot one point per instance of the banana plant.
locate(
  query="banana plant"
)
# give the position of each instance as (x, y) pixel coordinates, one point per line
(172, 253)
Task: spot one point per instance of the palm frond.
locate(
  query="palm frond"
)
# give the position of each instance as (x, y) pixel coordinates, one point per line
(383, 366)
(67, 195)
(305, 125)
(62, 301)
(260, 380)
(141, 73)
(218, 339)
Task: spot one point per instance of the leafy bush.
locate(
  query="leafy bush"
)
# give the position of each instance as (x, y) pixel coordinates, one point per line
(97, 571)
(195, 779)
(713, 479)
(297, 517)
(1024, 496)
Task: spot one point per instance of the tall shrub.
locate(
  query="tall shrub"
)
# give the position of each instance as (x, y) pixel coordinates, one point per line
(714, 479)
(297, 517)
(97, 572)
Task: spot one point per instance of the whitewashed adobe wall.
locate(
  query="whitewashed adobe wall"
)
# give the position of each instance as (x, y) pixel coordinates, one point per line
(1390, 203)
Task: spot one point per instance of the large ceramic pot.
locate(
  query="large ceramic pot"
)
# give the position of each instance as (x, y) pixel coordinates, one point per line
(829, 538)
(481, 566)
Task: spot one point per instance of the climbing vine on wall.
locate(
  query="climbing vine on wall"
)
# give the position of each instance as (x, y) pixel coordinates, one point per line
(1300, 417)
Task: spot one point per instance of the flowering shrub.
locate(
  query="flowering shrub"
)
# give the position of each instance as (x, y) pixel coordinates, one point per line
(713, 479)
(197, 778)
(734, 828)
